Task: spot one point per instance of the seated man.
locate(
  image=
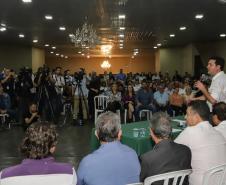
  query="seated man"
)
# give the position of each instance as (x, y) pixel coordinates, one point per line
(144, 99)
(219, 118)
(208, 147)
(113, 163)
(166, 156)
(38, 146)
(161, 99)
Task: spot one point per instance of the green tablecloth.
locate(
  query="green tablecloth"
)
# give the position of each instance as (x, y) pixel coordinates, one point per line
(139, 144)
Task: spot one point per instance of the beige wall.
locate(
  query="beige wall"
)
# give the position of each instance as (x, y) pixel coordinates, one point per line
(38, 58)
(15, 57)
(138, 64)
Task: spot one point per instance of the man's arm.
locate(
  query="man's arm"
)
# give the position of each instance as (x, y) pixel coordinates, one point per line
(205, 92)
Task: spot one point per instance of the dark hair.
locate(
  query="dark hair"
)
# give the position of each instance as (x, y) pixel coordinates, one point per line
(39, 138)
(161, 126)
(201, 108)
(127, 90)
(219, 109)
(218, 61)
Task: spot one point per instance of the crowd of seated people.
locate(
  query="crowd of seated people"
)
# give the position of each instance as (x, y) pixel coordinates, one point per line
(49, 89)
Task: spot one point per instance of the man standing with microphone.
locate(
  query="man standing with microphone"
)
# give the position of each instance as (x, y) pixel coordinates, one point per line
(217, 90)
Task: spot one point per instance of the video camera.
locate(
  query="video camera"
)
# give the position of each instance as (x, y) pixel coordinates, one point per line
(78, 76)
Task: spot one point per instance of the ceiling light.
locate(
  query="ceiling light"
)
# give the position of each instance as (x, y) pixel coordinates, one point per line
(21, 35)
(121, 35)
(79, 52)
(106, 49)
(121, 40)
(155, 47)
(57, 54)
(71, 35)
(105, 64)
(51, 52)
(132, 57)
(48, 17)
(122, 28)
(27, 1)
(121, 47)
(159, 44)
(35, 41)
(223, 35)
(62, 28)
(122, 16)
(2, 24)
(61, 56)
(66, 57)
(46, 45)
(172, 35)
(88, 56)
(83, 54)
(120, 44)
(183, 28)
(53, 47)
(199, 16)
(2, 29)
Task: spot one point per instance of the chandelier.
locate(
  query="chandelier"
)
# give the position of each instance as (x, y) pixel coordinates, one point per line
(85, 37)
(105, 65)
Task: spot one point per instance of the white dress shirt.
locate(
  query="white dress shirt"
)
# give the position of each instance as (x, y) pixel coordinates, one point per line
(208, 148)
(222, 128)
(218, 88)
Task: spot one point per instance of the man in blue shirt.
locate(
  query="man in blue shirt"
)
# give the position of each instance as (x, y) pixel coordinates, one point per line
(113, 163)
(121, 76)
(161, 98)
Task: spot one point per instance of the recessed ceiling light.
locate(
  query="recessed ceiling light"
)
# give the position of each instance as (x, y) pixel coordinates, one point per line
(53, 47)
(2, 24)
(172, 35)
(155, 47)
(120, 44)
(66, 57)
(199, 16)
(83, 54)
(51, 52)
(121, 47)
(57, 54)
(132, 57)
(62, 28)
(27, 1)
(2, 29)
(21, 35)
(121, 35)
(88, 56)
(122, 28)
(222, 35)
(122, 16)
(61, 56)
(48, 17)
(183, 28)
(121, 40)
(35, 41)
(159, 44)
(46, 45)
(71, 35)
(79, 52)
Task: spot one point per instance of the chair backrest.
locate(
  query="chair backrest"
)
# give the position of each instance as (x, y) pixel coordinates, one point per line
(216, 176)
(50, 179)
(100, 102)
(177, 176)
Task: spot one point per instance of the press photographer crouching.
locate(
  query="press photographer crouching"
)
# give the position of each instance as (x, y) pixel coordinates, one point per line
(46, 95)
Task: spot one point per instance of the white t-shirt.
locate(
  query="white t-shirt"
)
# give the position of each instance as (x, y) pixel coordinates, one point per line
(222, 128)
(208, 148)
(218, 88)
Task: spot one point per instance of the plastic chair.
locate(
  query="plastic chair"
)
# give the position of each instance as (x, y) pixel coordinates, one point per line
(147, 112)
(165, 177)
(100, 104)
(3, 119)
(215, 176)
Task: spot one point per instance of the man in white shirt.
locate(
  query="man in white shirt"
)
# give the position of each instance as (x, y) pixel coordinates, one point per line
(208, 147)
(217, 90)
(219, 118)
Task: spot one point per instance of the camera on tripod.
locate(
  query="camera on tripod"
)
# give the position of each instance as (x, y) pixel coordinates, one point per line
(78, 76)
(43, 73)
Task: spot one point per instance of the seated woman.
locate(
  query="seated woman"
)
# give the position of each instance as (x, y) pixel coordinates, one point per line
(176, 102)
(129, 100)
(38, 146)
(114, 99)
(31, 116)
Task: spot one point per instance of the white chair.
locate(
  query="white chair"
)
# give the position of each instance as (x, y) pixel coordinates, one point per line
(215, 176)
(3, 119)
(147, 112)
(165, 177)
(50, 179)
(100, 104)
(125, 116)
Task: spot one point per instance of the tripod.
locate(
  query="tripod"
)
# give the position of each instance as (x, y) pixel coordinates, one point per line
(81, 98)
(43, 93)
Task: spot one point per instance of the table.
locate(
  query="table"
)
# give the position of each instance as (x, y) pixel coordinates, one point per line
(139, 144)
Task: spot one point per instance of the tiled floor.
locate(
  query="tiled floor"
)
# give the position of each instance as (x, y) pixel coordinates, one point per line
(73, 144)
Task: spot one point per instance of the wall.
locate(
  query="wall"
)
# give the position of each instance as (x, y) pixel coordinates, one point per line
(38, 58)
(15, 57)
(138, 64)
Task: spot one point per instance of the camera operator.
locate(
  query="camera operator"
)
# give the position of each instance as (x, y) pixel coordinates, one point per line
(80, 94)
(24, 84)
